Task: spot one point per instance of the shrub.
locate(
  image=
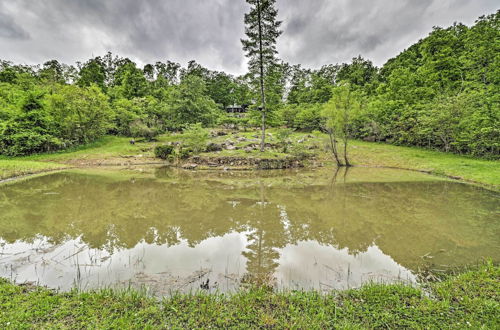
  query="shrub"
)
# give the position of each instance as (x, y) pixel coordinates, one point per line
(139, 129)
(183, 153)
(195, 138)
(283, 136)
(164, 151)
(300, 151)
(211, 147)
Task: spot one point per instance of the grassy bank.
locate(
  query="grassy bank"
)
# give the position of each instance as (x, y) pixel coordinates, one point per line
(14, 167)
(435, 162)
(112, 150)
(467, 300)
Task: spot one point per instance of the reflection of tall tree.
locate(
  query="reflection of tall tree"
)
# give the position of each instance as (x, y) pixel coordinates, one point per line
(266, 236)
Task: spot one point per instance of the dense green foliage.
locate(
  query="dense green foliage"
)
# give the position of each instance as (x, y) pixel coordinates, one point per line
(441, 93)
(56, 106)
(467, 300)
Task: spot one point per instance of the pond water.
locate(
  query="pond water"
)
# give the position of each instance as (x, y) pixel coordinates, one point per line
(168, 230)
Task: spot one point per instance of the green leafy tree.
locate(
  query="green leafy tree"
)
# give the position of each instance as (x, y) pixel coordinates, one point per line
(81, 114)
(189, 103)
(92, 72)
(31, 130)
(339, 113)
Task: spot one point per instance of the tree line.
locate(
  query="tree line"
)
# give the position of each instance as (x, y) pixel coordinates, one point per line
(441, 93)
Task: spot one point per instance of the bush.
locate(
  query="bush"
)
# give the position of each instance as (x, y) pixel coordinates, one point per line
(300, 151)
(211, 147)
(139, 129)
(184, 153)
(195, 138)
(164, 151)
(283, 136)
(309, 117)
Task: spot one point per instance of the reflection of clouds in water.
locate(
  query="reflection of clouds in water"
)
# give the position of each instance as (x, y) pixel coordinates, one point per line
(162, 267)
(309, 264)
(217, 253)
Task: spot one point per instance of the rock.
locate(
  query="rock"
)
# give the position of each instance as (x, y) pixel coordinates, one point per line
(217, 133)
(214, 147)
(241, 139)
(249, 149)
(190, 166)
(230, 147)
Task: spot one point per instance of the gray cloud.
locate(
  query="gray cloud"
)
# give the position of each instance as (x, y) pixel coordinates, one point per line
(10, 30)
(316, 32)
(322, 32)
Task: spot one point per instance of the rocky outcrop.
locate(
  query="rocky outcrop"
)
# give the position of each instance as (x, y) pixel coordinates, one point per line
(247, 162)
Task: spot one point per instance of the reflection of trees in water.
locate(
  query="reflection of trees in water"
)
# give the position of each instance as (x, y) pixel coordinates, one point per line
(266, 236)
(405, 219)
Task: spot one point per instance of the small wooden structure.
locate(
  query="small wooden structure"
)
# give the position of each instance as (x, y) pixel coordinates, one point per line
(237, 109)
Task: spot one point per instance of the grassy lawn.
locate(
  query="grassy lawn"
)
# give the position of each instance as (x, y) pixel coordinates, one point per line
(107, 148)
(116, 150)
(15, 167)
(440, 163)
(469, 300)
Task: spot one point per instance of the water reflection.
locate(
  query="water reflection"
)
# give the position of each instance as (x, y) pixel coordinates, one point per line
(171, 230)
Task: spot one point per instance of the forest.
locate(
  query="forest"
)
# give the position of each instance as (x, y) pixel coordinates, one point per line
(442, 93)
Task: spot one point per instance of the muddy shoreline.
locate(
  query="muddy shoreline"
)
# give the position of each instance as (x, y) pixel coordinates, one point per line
(224, 163)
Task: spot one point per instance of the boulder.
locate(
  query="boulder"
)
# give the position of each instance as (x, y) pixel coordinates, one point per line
(190, 166)
(211, 147)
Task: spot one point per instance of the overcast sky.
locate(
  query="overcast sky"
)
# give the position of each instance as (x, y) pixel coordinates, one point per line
(316, 32)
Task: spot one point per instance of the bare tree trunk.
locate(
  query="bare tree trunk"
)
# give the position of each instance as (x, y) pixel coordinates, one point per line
(263, 129)
(346, 159)
(262, 94)
(333, 146)
(346, 127)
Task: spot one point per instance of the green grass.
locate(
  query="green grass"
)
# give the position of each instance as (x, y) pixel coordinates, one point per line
(440, 163)
(467, 300)
(115, 150)
(15, 167)
(106, 147)
(110, 148)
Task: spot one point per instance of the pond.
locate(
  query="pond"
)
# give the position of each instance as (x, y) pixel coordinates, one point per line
(168, 230)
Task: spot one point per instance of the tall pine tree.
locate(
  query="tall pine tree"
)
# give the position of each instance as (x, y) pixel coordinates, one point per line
(262, 31)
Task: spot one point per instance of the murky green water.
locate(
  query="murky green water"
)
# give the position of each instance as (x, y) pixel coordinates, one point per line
(171, 230)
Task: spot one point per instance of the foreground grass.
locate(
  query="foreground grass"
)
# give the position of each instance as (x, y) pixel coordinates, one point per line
(117, 150)
(467, 300)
